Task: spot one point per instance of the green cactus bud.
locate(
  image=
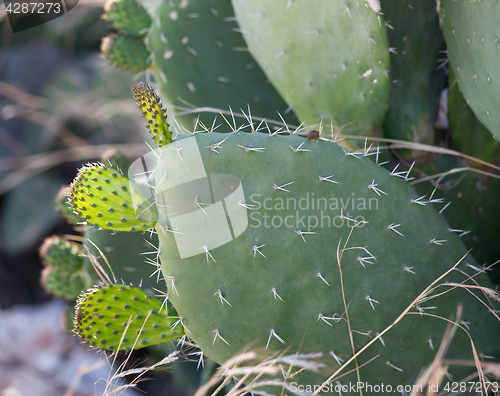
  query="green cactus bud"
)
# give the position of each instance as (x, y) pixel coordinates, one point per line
(120, 317)
(107, 199)
(128, 17)
(152, 111)
(126, 53)
(63, 275)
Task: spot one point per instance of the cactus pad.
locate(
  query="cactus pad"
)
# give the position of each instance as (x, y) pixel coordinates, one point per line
(104, 197)
(329, 60)
(103, 314)
(309, 254)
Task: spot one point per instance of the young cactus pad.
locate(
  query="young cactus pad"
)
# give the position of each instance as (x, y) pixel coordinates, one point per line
(280, 242)
(105, 198)
(121, 317)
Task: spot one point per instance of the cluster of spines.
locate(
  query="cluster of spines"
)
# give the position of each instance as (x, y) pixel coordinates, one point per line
(122, 317)
(152, 111)
(104, 198)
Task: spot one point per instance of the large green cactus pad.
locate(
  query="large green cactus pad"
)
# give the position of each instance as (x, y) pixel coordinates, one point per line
(249, 245)
(104, 313)
(472, 36)
(329, 60)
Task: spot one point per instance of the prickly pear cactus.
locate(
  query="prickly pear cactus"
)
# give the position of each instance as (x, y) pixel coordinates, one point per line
(328, 60)
(471, 32)
(127, 53)
(128, 17)
(309, 254)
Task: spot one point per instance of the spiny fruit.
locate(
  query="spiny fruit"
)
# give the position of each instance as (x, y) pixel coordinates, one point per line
(128, 17)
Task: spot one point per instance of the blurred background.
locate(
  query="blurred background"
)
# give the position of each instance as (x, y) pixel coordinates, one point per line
(61, 106)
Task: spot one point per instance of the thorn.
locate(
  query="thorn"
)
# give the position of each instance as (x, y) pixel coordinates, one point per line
(256, 250)
(216, 331)
(276, 187)
(295, 150)
(326, 318)
(437, 241)
(430, 343)
(275, 293)
(172, 279)
(394, 367)
(409, 269)
(344, 217)
(338, 360)
(348, 11)
(199, 204)
(348, 153)
(321, 277)
(215, 146)
(409, 170)
(444, 207)
(256, 149)
(380, 338)
(477, 269)
(373, 186)
(302, 233)
(200, 360)
(465, 324)
(207, 253)
(418, 200)
(422, 309)
(246, 206)
(177, 150)
(371, 300)
(327, 178)
(393, 228)
(222, 299)
(273, 333)
(483, 356)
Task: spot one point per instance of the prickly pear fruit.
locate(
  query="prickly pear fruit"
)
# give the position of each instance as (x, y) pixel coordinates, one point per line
(128, 17)
(264, 242)
(328, 60)
(126, 53)
(120, 317)
(105, 198)
(470, 29)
